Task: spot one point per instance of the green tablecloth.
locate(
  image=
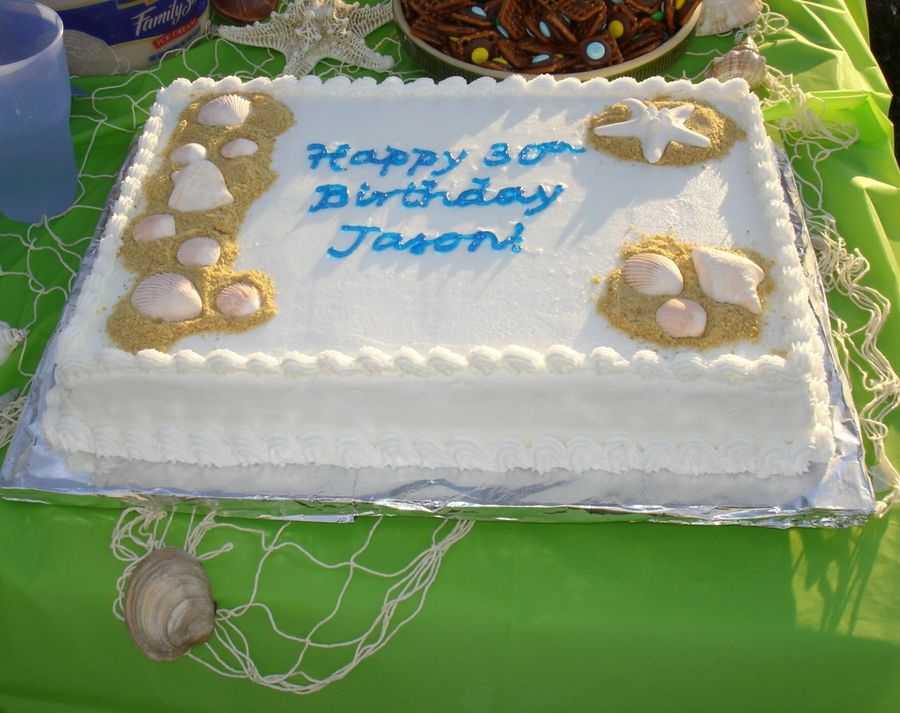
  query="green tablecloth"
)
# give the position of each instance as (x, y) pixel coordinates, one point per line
(522, 617)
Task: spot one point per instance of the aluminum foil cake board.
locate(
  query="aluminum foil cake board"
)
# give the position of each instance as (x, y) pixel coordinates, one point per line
(833, 495)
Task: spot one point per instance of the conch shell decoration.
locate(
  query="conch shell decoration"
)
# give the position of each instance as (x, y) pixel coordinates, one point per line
(169, 607)
(744, 62)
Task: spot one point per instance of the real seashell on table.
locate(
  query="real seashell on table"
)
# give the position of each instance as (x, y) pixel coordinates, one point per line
(238, 148)
(728, 277)
(154, 227)
(10, 338)
(226, 110)
(169, 606)
(167, 296)
(238, 300)
(200, 186)
(653, 274)
(717, 16)
(681, 318)
(188, 153)
(743, 62)
(201, 251)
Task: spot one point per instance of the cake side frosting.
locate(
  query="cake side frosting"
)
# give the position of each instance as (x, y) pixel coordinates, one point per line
(84, 358)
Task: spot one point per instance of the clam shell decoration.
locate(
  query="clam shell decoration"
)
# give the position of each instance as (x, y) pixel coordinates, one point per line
(188, 153)
(245, 11)
(728, 277)
(653, 274)
(10, 338)
(200, 186)
(168, 604)
(201, 252)
(717, 16)
(227, 110)
(239, 147)
(154, 227)
(744, 62)
(681, 318)
(167, 296)
(238, 300)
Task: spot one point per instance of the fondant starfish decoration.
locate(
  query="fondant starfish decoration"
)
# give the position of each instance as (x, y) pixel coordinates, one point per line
(309, 30)
(655, 128)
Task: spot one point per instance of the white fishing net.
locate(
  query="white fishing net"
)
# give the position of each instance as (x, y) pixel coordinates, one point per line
(106, 120)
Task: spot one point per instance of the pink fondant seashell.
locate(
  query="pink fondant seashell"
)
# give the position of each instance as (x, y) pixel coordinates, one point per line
(188, 153)
(717, 16)
(681, 318)
(200, 186)
(154, 227)
(743, 62)
(167, 296)
(728, 277)
(227, 110)
(238, 300)
(200, 251)
(653, 274)
(239, 147)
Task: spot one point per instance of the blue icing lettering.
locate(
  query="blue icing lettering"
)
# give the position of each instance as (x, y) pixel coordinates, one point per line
(332, 195)
(452, 162)
(319, 153)
(419, 245)
(535, 153)
(498, 156)
(415, 159)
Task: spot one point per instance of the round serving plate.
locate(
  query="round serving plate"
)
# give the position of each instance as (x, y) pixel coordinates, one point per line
(440, 66)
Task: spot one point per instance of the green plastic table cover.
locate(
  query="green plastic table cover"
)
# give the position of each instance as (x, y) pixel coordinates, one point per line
(521, 617)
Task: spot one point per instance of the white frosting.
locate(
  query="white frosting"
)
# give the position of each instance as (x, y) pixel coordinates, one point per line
(487, 360)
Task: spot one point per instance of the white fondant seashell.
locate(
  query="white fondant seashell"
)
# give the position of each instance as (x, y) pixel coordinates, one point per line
(188, 153)
(653, 274)
(167, 296)
(239, 147)
(743, 62)
(238, 300)
(681, 318)
(10, 338)
(717, 16)
(201, 251)
(154, 227)
(200, 186)
(227, 110)
(169, 606)
(728, 277)
(174, 175)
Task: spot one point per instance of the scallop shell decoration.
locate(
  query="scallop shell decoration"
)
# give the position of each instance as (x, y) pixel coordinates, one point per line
(728, 277)
(681, 318)
(168, 604)
(238, 148)
(653, 274)
(743, 62)
(167, 296)
(227, 110)
(188, 153)
(718, 16)
(154, 227)
(238, 300)
(201, 252)
(200, 186)
(10, 338)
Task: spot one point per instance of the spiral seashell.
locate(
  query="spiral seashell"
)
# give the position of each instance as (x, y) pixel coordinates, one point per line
(681, 318)
(200, 186)
(728, 277)
(239, 147)
(238, 300)
(227, 110)
(10, 338)
(168, 604)
(188, 153)
(167, 296)
(652, 274)
(744, 62)
(717, 16)
(201, 251)
(154, 227)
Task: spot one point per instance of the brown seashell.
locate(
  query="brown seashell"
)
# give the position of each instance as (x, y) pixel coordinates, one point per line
(245, 11)
(744, 62)
(168, 605)
(681, 318)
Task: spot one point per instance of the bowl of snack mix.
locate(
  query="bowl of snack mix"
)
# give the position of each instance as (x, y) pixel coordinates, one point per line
(566, 38)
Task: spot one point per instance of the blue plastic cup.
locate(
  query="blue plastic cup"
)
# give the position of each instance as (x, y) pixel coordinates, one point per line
(38, 175)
